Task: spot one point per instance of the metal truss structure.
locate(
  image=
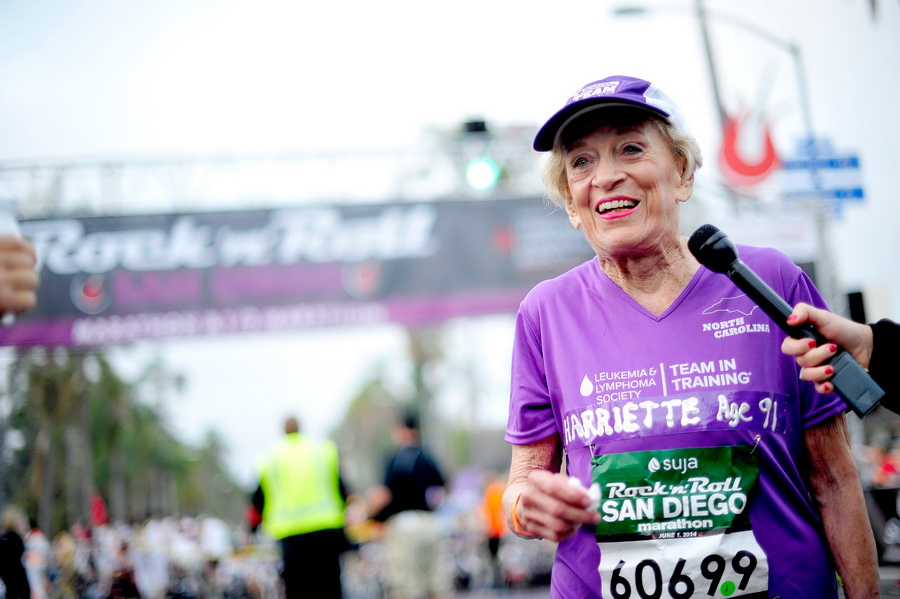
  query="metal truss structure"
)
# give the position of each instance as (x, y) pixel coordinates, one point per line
(160, 184)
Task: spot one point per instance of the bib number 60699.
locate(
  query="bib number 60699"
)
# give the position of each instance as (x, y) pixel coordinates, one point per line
(646, 579)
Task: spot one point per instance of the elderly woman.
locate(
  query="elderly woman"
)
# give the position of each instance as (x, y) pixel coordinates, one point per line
(697, 464)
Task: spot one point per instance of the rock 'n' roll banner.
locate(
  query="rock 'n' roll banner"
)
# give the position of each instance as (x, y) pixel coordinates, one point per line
(116, 279)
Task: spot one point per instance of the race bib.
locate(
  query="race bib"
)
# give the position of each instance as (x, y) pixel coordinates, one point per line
(675, 524)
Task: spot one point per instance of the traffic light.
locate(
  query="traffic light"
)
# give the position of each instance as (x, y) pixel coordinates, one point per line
(482, 173)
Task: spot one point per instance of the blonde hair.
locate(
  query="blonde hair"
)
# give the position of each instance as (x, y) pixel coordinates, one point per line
(13, 519)
(682, 144)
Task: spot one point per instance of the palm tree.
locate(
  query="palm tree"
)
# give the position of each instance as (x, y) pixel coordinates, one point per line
(86, 430)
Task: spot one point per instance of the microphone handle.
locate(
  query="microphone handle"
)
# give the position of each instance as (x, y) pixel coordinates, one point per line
(770, 302)
(851, 381)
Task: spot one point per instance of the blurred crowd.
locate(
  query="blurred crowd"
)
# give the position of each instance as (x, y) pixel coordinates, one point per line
(161, 558)
(206, 558)
(879, 465)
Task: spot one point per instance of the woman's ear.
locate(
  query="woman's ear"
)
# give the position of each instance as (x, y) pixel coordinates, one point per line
(687, 182)
(573, 214)
(686, 188)
(682, 162)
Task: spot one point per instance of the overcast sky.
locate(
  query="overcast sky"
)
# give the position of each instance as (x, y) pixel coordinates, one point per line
(104, 78)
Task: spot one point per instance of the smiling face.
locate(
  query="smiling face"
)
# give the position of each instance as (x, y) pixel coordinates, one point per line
(624, 185)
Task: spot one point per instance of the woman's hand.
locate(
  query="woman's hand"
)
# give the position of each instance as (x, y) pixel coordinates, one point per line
(550, 507)
(539, 500)
(853, 337)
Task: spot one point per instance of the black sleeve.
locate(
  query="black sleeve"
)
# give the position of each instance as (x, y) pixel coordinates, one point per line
(388, 477)
(342, 487)
(435, 479)
(258, 500)
(391, 508)
(885, 353)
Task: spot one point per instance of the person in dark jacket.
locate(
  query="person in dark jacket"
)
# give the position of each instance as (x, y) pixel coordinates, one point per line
(413, 487)
(12, 548)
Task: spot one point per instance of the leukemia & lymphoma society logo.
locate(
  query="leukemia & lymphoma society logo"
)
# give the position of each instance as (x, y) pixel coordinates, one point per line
(619, 385)
(90, 293)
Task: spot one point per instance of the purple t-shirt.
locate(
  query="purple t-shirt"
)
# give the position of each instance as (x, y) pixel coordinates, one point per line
(706, 377)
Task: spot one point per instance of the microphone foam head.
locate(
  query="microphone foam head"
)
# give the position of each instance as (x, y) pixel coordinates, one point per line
(712, 248)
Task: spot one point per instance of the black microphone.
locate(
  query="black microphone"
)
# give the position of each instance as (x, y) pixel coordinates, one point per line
(712, 248)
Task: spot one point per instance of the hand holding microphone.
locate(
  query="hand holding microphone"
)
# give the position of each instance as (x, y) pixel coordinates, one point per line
(713, 249)
(854, 337)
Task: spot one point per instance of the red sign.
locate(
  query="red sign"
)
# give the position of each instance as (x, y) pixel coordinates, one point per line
(739, 169)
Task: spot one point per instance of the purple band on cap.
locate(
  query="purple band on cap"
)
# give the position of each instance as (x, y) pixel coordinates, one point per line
(611, 91)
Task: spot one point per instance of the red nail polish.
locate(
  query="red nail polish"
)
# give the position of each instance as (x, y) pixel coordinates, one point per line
(833, 348)
(829, 370)
(812, 344)
(792, 318)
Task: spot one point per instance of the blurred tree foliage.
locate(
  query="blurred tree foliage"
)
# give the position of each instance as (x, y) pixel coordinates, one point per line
(77, 436)
(365, 435)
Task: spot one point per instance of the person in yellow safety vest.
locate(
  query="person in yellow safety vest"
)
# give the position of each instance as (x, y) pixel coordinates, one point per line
(301, 499)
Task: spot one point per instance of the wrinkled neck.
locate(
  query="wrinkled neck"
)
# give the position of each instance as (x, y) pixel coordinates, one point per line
(653, 280)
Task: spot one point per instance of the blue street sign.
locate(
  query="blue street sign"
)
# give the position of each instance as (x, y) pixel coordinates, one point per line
(818, 172)
(828, 194)
(821, 163)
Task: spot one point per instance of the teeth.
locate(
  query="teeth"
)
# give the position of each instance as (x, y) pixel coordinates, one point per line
(616, 204)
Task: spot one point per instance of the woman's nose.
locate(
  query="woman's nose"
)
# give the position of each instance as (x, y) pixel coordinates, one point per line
(607, 175)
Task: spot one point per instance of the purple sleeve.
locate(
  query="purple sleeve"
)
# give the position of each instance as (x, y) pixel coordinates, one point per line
(530, 411)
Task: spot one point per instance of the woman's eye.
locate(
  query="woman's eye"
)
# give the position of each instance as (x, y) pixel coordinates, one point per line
(632, 149)
(579, 162)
